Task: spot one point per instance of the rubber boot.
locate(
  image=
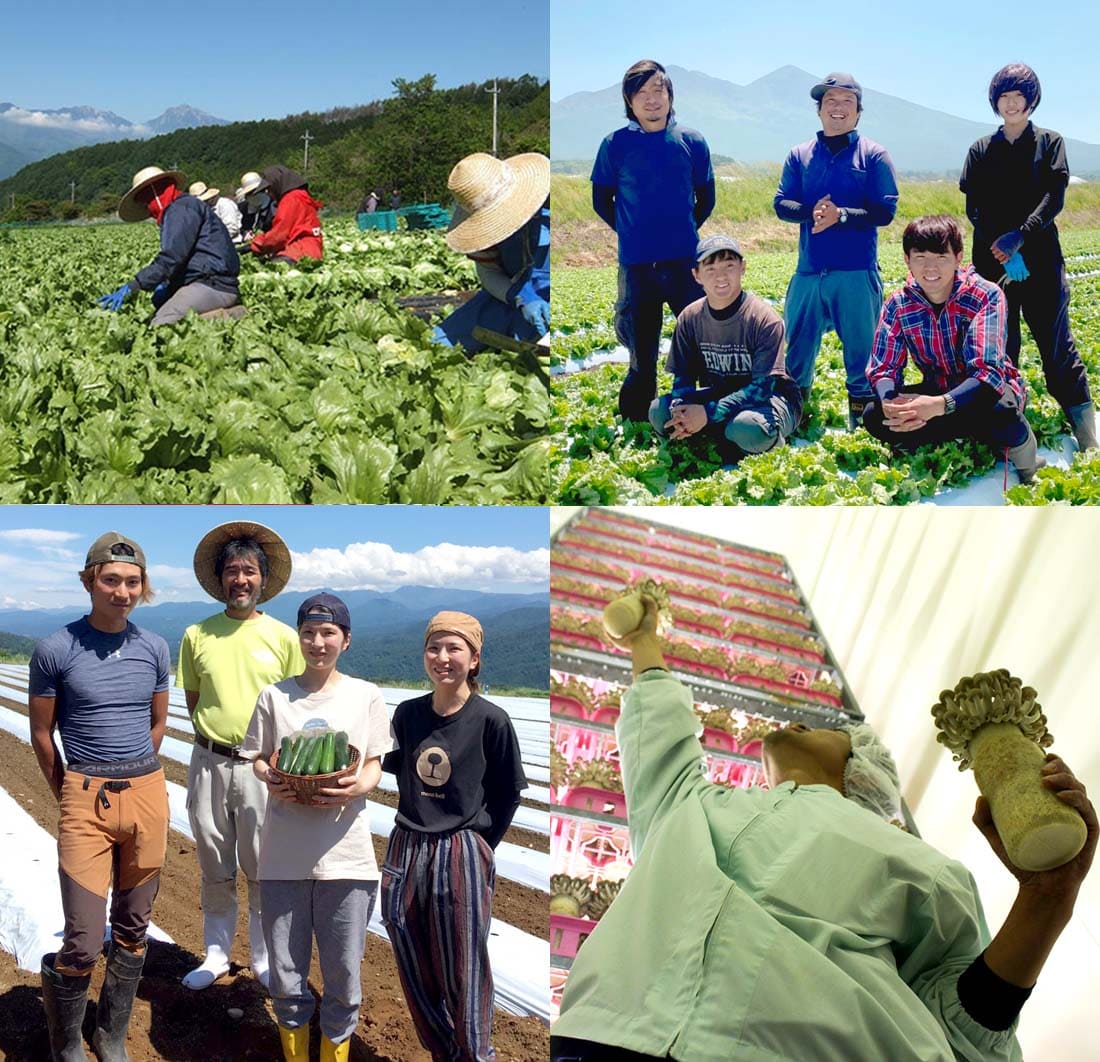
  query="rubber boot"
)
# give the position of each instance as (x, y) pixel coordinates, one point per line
(116, 1001)
(805, 416)
(217, 932)
(1026, 459)
(856, 406)
(1083, 419)
(331, 1052)
(64, 999)
(295, 1043)
(259, 948)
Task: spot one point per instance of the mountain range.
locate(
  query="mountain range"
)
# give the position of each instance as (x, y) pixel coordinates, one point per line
(28, 134)
(387, 629)
(761, 121)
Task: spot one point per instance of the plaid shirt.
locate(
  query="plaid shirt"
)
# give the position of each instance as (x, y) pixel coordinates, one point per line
(966, 340)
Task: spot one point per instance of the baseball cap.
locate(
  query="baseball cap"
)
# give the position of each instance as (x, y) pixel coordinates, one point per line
(460, 623)
(837, 81)
(324, 608)
(105, 550)
(713, 244)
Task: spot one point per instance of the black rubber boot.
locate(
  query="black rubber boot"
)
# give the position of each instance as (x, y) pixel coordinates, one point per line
(856, 406)
(116, 1000)
(64, 999)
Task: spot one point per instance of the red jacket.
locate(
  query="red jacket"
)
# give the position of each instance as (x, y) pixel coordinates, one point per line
(296, 230)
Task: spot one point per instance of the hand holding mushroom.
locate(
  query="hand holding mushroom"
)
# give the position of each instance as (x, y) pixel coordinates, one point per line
(992, 722)
(634, 621)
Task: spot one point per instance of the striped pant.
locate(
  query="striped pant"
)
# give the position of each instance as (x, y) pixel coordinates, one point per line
(436, 899)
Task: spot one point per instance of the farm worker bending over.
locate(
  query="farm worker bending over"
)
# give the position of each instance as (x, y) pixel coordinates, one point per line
(839, 189)
(727, 363)
(224, 662)
(257, 207)
(502, 222)
(318, 875)
(459, 776)
(224, 207)
(652, 182)
(951, 323)
(295, 229)
(197, 266)
(1015, 184)
(103, 684)
(797, 921)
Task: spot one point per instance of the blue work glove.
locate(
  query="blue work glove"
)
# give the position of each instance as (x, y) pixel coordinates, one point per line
(115, 300)
(537, 314)
(1009, 243)
(1015, 268)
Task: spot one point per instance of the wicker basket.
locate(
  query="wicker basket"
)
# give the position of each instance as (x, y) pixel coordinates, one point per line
(306, 785)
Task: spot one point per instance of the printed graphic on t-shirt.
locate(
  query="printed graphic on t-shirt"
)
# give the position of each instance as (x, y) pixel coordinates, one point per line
(264, 656)
(434, 766)
(726, 358)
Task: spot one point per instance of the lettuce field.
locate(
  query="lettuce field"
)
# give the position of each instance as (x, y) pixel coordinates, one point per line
(327, 391)
(594, 461)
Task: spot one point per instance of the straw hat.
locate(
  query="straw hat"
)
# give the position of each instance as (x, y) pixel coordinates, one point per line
(495, 198)
(129, 209)
(250, 182)
(200, 191)
(275, 549)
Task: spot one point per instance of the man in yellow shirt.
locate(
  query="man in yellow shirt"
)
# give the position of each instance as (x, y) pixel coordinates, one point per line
(224, 662)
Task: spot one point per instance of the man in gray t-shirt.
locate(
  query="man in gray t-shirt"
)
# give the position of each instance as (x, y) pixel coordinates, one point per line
(729, 377)
(103, 684)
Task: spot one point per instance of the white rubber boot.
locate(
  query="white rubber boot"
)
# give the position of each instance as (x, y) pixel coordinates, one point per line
(217, 931)
(259, 948)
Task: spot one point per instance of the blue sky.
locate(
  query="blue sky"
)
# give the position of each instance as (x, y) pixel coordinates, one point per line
(241, 61)
(938, 54)
(341, 547)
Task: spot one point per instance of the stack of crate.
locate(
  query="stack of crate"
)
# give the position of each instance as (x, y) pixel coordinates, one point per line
(743, 637)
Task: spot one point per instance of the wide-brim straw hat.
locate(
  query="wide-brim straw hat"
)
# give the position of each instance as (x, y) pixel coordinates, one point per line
(129, 209)
(275, 549)
(250, 182)
(200, 191)
(495, 197)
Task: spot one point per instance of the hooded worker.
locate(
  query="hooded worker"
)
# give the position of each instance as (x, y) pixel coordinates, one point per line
(223, 206)
(197, 266)
(257, 206)
(502, 222)
(295, 231)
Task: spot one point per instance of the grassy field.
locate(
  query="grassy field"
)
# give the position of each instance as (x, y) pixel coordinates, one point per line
(595, 461)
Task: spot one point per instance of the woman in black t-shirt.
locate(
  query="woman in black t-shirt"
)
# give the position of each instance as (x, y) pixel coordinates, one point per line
(459, 776)
(1015, 183)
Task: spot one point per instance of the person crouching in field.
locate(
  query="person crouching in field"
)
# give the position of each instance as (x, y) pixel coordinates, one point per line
(951, 322)
(295, 231)
(197, 267)
(102, 683)
(318, 875)
(459, 776)
(501, 222)
(729, 381)
(257, 207)
(222, 205)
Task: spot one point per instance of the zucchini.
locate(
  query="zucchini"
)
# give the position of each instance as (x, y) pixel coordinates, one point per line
(313, 757)
(340, 752)
(284, 753)
(295, 756)
(328, 750)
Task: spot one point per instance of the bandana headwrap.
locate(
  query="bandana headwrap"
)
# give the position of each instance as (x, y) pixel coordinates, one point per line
(159, 203)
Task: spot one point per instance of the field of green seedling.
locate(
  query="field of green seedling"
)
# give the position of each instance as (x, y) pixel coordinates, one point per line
(595, 461)
(328, 391)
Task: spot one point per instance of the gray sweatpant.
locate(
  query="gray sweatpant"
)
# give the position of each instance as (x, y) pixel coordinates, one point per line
(337, 913)
(197, 297)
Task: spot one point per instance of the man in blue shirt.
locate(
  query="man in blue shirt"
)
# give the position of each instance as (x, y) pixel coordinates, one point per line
(652, 182)
(839, 188)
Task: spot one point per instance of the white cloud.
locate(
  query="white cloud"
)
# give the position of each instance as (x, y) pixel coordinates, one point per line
(38, 536)
(64, 120)
(378, 566)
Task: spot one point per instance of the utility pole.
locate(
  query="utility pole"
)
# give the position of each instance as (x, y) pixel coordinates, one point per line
(305, 161)
(495, 93)
(72, 191)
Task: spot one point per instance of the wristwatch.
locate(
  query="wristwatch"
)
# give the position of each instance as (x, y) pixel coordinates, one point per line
(948, 403)
(843, 215)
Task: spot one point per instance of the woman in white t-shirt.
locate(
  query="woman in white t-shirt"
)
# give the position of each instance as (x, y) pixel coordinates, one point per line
(318, 875)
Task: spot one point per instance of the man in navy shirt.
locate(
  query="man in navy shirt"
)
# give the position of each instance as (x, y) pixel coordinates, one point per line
(652, 182)
(839, 188)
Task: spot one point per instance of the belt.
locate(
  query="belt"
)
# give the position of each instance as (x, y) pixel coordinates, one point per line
(233, 752)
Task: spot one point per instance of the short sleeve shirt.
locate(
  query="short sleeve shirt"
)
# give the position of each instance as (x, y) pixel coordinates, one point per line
(299, 842)
(103, 686)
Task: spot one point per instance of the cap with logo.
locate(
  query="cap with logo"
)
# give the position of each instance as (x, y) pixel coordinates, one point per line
(711, 245)
(837, 81)
(105, 550)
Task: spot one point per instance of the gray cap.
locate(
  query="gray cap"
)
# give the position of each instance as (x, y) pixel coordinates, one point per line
(105, 550)
(713, 244)
(837, 81)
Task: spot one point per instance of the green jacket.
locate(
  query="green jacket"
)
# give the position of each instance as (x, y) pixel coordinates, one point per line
(783, 924)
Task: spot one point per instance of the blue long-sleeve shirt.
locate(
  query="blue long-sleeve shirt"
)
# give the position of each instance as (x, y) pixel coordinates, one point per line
(654, 190)
(195, 248)
(861, 178)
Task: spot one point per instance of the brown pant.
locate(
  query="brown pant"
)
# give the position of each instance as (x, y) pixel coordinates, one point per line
(112, 833)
